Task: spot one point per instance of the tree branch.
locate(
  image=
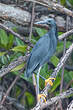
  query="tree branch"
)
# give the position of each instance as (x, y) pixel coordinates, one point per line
(66, 34)
(70, 106)
(57, 98)
(16, 34)
(16, 15)
(12, 65)
(55, 6)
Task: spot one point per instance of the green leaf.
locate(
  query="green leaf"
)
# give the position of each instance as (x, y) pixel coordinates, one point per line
(60, 33)
(30, 98)
(56, 84)
(2, 53)
(71, 2)
(40, 31)
(3, 38)
(55, 60)
(63, 2)
(19, 42)
(18, 67)
(10, 41)
(34, 39)
(4, 59)
(60, 46)
(68, 76)
(19, 48)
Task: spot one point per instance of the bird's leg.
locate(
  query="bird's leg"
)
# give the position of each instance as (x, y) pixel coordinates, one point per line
(42, 77)
(38, 81)
(50, 81)
(39, 96)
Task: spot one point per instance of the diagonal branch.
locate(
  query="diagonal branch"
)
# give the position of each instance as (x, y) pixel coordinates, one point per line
(12, 65)
(66, 34)
(55, 6)
(16, 34)
(57, 98)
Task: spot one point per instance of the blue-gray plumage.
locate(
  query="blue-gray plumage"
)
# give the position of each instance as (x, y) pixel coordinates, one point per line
(44, 48)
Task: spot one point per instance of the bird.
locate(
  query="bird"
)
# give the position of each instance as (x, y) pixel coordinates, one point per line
(42, 51)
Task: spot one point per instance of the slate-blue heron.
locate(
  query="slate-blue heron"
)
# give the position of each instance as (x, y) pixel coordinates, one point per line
(43, 51)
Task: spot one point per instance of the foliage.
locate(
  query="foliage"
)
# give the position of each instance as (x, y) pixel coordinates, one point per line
(68, 3)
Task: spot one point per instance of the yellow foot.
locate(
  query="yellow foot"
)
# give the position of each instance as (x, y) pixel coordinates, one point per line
(42, 96)
(50, 81)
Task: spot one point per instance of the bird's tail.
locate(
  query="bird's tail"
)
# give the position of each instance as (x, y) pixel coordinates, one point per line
(27, 75)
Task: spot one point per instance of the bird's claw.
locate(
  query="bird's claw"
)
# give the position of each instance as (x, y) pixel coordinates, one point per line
(50, 81)
(42, 96)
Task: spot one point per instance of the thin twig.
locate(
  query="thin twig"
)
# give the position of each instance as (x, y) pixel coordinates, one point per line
(60, 102)
(32, 20)
(16, 34)
(69, 84)
(63, 55)
(33, 16)
(62, 75)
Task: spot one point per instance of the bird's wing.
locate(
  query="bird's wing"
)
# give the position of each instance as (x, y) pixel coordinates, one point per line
(38, 53)
(40, 42)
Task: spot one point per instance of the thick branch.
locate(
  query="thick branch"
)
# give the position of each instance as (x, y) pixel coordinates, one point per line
(57, 98)
(55, 6)
(68, 33)
(12, 65)
(16, 15)
(70, 106)
(13, 14)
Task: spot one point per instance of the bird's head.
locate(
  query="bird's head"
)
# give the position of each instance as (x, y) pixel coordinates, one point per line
(49, 21)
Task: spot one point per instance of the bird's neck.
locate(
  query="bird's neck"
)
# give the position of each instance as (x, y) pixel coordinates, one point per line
(54, 31)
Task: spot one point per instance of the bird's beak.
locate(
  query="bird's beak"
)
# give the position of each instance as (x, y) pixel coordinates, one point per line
(41, 22)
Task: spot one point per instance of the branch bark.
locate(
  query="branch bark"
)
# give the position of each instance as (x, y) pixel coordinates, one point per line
(70, 106)
(66, 34)
(21, 17)
(57, 98)
(12, 65)
(55, 6)
(16, 15)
